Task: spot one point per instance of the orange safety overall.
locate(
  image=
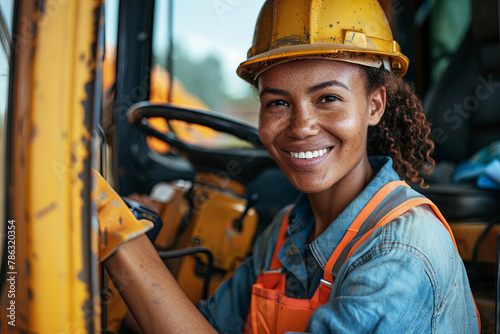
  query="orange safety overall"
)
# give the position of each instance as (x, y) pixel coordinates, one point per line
(271, 311)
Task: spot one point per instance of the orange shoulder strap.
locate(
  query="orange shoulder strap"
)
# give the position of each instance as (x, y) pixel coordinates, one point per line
(275, 263)
(398, 211)
(393, 214)
(358, 221)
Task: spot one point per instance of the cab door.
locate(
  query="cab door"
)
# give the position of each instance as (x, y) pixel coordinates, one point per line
(50, 282)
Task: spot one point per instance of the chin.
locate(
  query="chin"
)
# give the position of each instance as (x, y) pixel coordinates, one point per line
(309, 187)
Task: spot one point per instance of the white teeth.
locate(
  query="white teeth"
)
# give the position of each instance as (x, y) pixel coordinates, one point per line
(309, 154)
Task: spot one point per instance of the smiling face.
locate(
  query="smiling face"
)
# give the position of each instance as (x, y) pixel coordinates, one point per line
(314, 119)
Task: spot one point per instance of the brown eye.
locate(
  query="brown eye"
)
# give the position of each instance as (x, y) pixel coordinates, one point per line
(276, 103)
(329, 98)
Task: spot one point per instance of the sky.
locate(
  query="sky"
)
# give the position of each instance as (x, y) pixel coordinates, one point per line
(6, 9)
(219, 27)
(223, 28)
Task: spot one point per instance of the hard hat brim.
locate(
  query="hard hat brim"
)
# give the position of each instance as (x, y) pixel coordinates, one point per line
(250, 69)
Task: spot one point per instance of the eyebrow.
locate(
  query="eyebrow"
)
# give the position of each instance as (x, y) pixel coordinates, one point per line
(273, 91)
(325, 84)
(315, 88)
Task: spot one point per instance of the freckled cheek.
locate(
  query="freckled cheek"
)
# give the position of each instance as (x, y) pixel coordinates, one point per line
(347, 129)
(269, 129)
(266, 134)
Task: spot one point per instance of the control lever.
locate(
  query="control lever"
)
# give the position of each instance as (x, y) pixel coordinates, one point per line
(251, 201)
(141, 211)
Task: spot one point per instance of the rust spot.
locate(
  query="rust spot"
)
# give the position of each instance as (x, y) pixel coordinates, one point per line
(107, 294)
(25, 320)
(81, 276)
(20, 125)
(82, 57)
(41, 7)
(291, 40)
(33, 133)
(88, 311)
(45, 210)
(30, 294)
(32, 51)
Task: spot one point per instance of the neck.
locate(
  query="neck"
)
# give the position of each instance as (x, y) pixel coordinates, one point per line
(328, 204)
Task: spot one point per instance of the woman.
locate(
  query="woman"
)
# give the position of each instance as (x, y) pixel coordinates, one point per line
(359, 251)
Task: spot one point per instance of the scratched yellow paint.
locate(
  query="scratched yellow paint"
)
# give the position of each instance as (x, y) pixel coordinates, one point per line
(57, 279)
(64, 64)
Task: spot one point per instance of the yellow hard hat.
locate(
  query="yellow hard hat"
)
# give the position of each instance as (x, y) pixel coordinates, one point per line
(354, 31)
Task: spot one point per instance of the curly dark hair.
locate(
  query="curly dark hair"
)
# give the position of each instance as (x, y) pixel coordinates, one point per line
(403, 133)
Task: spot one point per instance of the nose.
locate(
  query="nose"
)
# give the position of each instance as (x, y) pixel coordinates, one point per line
(303, 122)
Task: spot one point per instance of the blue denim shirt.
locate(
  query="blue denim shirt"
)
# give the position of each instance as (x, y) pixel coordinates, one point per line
(405, 278)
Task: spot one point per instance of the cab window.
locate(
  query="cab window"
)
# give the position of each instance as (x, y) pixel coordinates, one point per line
(202, 51)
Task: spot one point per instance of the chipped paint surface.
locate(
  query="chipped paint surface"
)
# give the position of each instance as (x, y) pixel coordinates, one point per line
(51, 169)
(42, 212)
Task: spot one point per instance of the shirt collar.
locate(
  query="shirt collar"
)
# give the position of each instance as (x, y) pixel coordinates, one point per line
(324, 245)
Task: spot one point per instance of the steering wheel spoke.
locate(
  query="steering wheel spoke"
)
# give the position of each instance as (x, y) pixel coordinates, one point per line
(241, 163)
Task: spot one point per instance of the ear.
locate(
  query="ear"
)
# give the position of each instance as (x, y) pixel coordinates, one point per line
(376, 102)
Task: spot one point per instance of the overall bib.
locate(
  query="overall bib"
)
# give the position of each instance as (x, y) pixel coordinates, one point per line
(271, 311)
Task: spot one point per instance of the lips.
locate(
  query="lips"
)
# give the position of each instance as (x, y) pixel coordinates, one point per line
(309, 154)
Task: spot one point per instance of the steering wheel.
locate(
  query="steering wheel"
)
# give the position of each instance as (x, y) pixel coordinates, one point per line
(242, 164)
